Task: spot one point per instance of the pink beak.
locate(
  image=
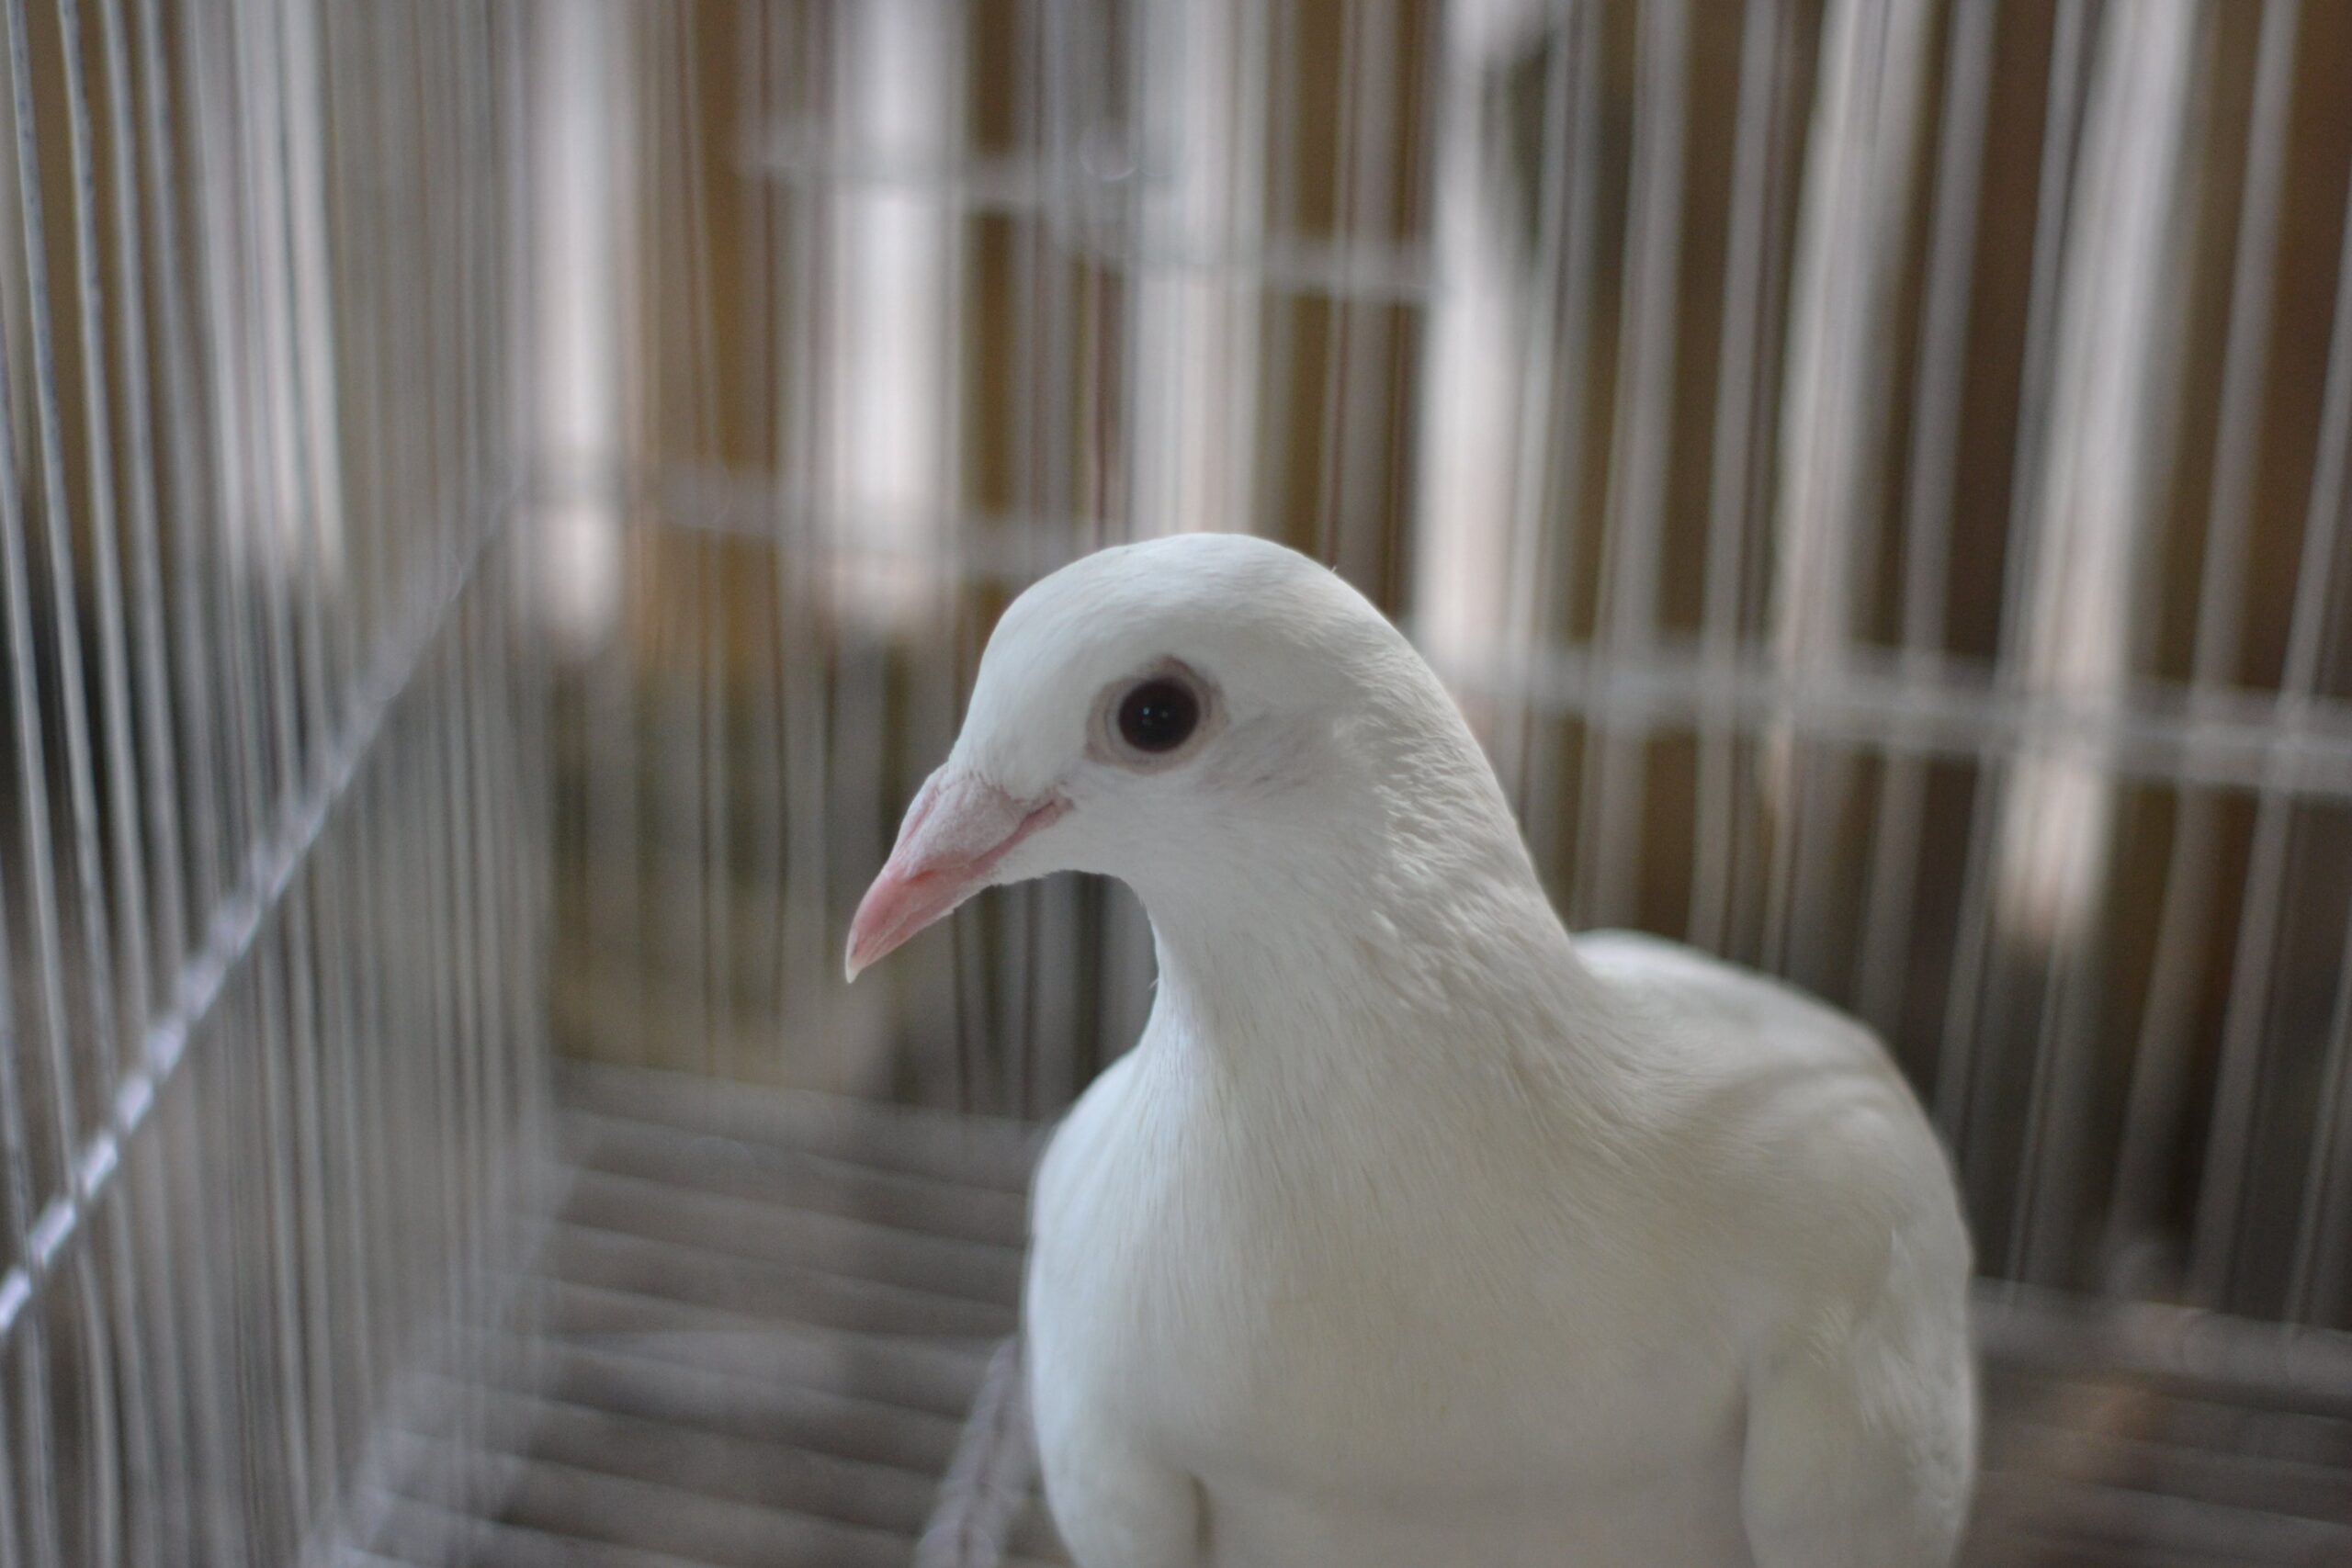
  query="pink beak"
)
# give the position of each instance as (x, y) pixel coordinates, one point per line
(957, 830)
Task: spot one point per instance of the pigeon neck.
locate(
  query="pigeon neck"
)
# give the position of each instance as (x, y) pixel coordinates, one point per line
(1383, 924)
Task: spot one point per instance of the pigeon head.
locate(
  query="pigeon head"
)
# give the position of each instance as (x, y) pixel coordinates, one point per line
(1191, 714)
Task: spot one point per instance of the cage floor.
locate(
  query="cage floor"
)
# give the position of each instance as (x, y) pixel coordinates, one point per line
(757, 1321)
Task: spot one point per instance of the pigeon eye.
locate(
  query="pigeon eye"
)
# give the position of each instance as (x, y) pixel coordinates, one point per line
(1158, 715)
(1155, 718)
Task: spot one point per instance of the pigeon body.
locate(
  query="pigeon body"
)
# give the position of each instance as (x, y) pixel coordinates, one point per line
(1414, 1233)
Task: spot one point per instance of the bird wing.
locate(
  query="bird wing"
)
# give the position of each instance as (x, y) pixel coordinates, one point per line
(1861, 1408)
(1862, 1436)
(1757, 1021)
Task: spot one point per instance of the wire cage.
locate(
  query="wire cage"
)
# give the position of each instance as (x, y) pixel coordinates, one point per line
(500, 503)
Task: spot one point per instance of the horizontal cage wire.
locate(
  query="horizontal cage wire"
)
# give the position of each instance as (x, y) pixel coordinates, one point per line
(501, 504)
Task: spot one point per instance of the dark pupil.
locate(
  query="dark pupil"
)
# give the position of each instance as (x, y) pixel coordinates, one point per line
(1158, 715)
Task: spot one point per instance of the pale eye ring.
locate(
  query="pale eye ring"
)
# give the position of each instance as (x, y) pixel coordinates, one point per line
(1155, 718)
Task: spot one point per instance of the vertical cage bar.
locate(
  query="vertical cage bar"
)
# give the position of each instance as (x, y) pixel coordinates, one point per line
(95, 954)
(1890, 901)
(165, 1512)
(129, 917)
(1641, 433)
(219, 1524)
(1956, 1077)
(1735, 456)
(1539, 596)
(2221, 1200)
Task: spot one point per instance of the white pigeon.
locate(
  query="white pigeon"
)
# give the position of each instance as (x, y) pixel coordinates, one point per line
(1412, 1232)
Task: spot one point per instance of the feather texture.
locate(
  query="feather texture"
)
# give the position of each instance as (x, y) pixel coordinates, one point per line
(1413, 1231)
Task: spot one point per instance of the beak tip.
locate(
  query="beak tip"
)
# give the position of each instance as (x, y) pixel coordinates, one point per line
(957, 831)
(870, 933)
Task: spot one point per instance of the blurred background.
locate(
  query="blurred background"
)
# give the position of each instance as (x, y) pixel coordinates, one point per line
(501, 502)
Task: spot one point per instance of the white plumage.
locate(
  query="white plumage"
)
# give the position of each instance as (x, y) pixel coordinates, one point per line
(1413, 1234)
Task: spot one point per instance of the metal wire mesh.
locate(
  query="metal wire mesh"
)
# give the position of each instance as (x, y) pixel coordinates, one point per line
(1872, 472)
(273, 849)
(501, 502)
(1881, 506)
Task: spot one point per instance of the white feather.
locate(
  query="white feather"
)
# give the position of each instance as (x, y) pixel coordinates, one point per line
(1411, 1233)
